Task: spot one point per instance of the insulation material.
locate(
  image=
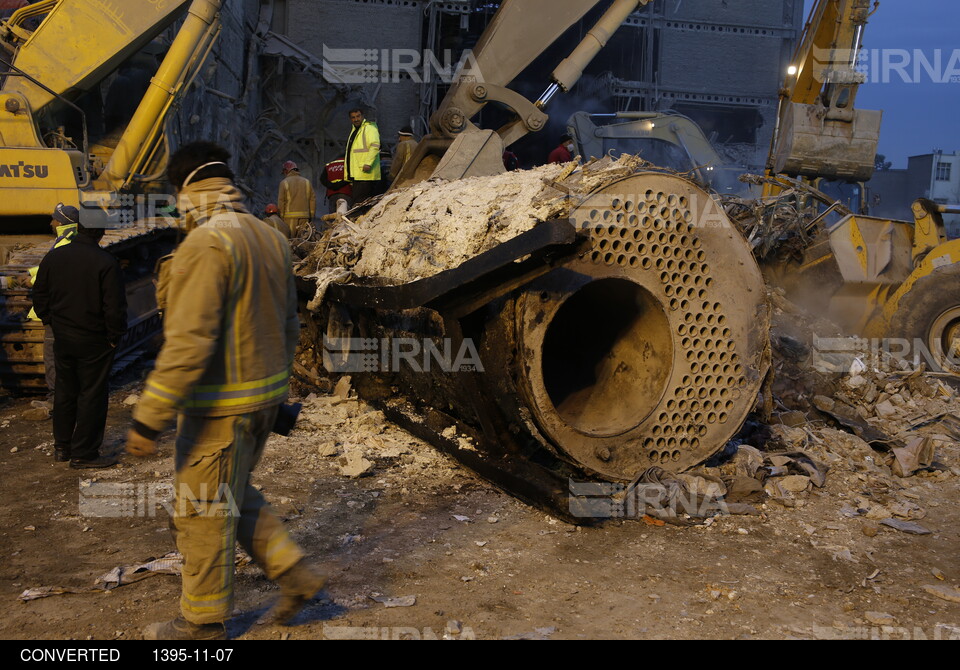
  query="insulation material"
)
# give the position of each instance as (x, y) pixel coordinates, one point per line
(435, 226)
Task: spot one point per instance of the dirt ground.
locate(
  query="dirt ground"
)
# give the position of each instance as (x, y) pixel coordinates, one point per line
(479, 564)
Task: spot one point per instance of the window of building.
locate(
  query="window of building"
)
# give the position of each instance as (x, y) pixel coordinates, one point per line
(943, 171)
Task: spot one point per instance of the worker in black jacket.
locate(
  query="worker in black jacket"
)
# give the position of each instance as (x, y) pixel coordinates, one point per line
(79, 292)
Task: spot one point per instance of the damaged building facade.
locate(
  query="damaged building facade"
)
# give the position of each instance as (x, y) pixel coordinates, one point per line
(285, 73)
(720, 62)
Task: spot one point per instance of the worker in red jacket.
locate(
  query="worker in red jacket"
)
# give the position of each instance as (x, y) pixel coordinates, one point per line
(339, 190)
(564, 152)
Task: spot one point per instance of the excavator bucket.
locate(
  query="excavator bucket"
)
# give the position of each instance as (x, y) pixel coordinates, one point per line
(814, 145)
(473, 154)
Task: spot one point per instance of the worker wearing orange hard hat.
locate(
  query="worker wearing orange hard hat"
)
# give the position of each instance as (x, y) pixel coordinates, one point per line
(271, 217)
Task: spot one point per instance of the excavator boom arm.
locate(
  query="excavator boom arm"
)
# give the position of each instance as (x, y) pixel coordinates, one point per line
(819, 131)
(829, 49)
(520, 31)
(80, 42)
(182, 62)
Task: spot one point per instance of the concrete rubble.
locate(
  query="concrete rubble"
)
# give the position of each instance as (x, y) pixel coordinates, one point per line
(773, 464)
(356, 439)
(424, 229)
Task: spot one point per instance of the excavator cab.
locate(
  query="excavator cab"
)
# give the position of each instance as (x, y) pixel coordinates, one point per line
(48, 63)
(666, 139)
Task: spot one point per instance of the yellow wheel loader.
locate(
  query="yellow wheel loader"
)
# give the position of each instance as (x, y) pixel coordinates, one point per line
(895, 282)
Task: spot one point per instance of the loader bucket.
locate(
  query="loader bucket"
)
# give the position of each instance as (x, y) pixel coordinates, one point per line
(814, 145)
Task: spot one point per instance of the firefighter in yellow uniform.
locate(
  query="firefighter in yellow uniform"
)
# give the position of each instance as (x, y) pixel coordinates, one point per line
(405, 148)
(231, 331)
(64, 226)
(272, 218)
(297, 200)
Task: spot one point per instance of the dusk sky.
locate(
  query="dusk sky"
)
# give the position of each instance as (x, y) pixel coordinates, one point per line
(918, 116)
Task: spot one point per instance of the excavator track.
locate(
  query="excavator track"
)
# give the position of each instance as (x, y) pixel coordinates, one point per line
(137, 247)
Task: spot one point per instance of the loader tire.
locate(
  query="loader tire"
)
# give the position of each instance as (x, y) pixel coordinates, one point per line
(929, 318)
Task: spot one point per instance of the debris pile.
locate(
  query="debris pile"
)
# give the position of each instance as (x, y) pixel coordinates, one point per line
(121, 575)
(773, 227)
(898, 402)
(781, 226)
(433, 226)
(836, 423)
(344, 432)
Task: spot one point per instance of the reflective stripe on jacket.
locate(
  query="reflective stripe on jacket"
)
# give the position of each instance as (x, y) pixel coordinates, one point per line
(363, 148)
(65, 235)
(230, 327)
(297, 199)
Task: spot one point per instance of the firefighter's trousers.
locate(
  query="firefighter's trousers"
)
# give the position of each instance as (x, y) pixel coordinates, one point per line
(215, 506)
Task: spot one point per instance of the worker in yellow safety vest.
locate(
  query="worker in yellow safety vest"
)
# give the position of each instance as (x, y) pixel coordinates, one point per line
(64, 226)
(363, 157)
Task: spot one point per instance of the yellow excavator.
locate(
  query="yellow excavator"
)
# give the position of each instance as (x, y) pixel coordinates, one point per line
(666, 139)
(819, 132)
(896, 281)
(51, 53)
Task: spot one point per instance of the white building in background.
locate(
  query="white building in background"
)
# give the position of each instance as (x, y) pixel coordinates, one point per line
(937, 176)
